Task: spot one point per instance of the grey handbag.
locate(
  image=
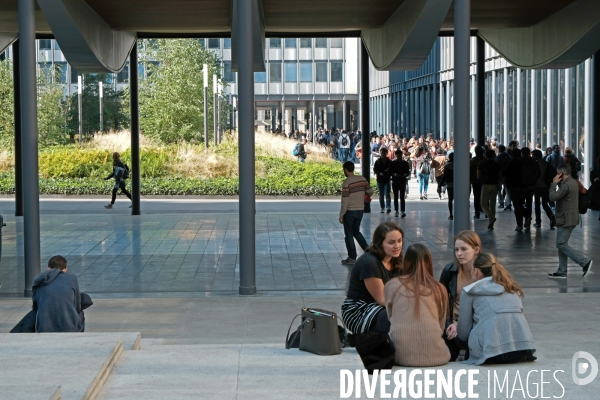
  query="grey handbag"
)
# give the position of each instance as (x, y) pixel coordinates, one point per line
(318, 333)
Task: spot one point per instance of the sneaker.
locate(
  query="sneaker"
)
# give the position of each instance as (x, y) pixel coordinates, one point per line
(519, 228)
(440, 195)
(552, 221)
(348, 261)
(475, 216)
(382, 211)
(425, 196)
(557, 276)
(508, 208)
(538, 224)
(528, 223)
(491, 224)
(403, 215)
(587, 268)
(389, 210)
(397, 213)
(109, 206)
(420, 197)
(451, 218)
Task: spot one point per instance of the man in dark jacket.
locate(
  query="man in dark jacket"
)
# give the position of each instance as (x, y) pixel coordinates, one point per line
(382, 172)
(57, 299)
(400, 171)
(555, 159)
(547, 173)
(489, 174)
(504, 159)
(522, 176)
(475, 182)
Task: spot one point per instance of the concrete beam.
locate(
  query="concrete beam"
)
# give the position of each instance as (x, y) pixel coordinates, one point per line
(87, 41)
(563, 40)
(405, 40)
(6, 39)
(258, 36)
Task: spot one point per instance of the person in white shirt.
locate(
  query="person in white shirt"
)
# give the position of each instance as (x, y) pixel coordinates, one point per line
(344, 143)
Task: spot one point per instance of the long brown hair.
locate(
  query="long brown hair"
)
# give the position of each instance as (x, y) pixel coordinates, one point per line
(418, 278)
(469, 237)
(376, 246)
(116, 158)
(488, 264)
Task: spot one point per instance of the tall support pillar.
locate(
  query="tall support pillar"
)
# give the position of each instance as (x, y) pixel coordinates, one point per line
(505, 104)
(480, 98)
(568, 108)
(519, 108)
(247, 199)
(422, 110)
(314, 118)
(135, 131)
(550, 109)
(596, 104)
(29, 142)
(534, 105)
(17, 121)
(462, 40)
(587, 134)
(364, 117)
(473, 103)
(344, 115)
(434, 110)
(441, 110)
(494, 110)
(448, 118)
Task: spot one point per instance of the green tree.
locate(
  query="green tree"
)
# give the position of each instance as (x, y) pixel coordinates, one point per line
(51, 118)
(172, 93)
(115, 116)
(7, 128)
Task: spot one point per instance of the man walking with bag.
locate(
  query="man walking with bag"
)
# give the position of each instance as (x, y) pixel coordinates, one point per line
(354, 189)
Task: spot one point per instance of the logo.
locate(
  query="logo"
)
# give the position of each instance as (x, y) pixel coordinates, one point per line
(580, 368)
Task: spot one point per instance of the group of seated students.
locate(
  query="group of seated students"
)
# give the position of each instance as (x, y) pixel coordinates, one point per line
(475, 306)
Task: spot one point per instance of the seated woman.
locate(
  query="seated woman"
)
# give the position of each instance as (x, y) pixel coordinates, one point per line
(454, 277)
(416, 307)
(491, 316)
(364, 308)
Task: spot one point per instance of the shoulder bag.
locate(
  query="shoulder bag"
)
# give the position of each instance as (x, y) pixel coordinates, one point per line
(318, 333)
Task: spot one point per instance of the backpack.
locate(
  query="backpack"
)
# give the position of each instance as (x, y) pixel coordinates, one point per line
(344, 141)
(528, 174)
(295, 151)
(425, 168)
(126, 171)
(584, 198)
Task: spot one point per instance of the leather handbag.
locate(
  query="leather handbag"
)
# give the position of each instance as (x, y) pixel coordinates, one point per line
(318, 333)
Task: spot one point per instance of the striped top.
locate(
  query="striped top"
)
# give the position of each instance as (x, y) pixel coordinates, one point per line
(353, 194)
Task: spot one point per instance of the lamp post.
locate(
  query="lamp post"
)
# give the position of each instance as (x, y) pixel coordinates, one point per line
(215, 113)
(219, 124)
(205, 71)
(101, 96)
(234, 110)
(79, 99)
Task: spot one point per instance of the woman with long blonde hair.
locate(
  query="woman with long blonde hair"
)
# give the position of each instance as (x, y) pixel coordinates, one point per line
(491, 316)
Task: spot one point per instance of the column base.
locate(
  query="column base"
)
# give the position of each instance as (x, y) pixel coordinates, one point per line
(247, 291)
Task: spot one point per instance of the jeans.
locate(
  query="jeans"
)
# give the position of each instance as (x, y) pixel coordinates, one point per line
(399, 190)
(344, 154)
(352, 220)
(423, 183)
(488, 200)
(384, 191)
(520, 195)
(441, 184)
(301, 159)
(450, 198)
(565, 251)
(116, 189)
(477, 197)
(541, 198)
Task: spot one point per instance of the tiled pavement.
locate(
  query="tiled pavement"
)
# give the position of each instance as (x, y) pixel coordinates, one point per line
(196, 254)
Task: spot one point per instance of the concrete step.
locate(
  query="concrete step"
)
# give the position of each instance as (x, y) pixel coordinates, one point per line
(146, 342)
(31, 392)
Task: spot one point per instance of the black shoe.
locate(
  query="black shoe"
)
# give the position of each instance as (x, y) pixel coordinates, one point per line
(527, 223)
(389, 210)
(519, 228)
(475, 216)
(348, 261)
(501, 206)
(395, 215)
(403, 215)
(557, 276)
(538, 224)
(382, 211)
(587, 268)
(552, 221)
(491, 224)
(451, 218)
(508, 208)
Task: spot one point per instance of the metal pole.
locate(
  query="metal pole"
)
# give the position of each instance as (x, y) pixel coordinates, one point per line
(29, 150)
(135, 131)
(549, 110)
(462, 22)
(568, 108)
(519, 108)
(364, 121)
(101, 97)
(587, 149)
(79, 101)
(480, 98)
(494, 110)
(247, 16)
(215, 109)
(534, 105)
(18, 135)
(505, 104)
(205, 75)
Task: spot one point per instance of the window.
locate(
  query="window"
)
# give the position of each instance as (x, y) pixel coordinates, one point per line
(336, 71)
(321, 43)
(124, 74)
(306, 72)
(202, 44)
(275, 72)
(227, 43)
(74, 75)
(260, 77)
(291, 71)
(267, 115)
(56, 46)
(275, 42)
(213, 43)
(141, 70)
(336, 43)
(290, 43)
(45, 44)
(321, 71)
(229, 76)
(306, 43)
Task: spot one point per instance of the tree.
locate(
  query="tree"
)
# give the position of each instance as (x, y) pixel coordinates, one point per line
(50, 110)
(7, 127)
(172, 93)
(115, 117)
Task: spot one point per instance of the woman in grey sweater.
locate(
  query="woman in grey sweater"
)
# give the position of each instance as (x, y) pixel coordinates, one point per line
(491, 316)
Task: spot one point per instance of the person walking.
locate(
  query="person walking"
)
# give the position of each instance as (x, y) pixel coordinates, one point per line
(438, 164)
(423, 166)
(345, 143)
(504, 159)
(120, 173)
(400, 171)
(449, 178)
(354, 189)
(302, 153)
(522, 176)
(555, 159)
(564, 190)
(475, 181)
(547, 173)
(488, 172)
(381, 169)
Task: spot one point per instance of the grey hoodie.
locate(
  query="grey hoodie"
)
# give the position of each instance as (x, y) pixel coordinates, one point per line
(57, 299)
(492, 321)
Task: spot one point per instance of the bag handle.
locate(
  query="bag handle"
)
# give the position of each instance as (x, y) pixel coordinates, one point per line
(345, 344)
(287, 337)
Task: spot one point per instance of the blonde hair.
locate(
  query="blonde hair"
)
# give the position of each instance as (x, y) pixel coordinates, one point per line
(488, 264)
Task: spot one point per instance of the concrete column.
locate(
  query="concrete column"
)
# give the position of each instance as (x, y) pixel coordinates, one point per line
(505, 105)
(587, 135)
(315, 118)
(344, 115)
(364, 117)
(135, 131)
(448, 119)
(596, 104)
(247, 198)
(519, 107)
(434, 104)
(473, 111)
(550, 110)
(494, 110)
(17, 122)
(480, 98)
(283, 117)
(29, 129)
(441, 112)
(534, 104)
(422, 109)
(462, 40)
(568, 108)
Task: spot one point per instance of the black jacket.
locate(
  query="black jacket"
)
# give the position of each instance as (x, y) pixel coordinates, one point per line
(400, 171)
(382, 169)
(449, 278)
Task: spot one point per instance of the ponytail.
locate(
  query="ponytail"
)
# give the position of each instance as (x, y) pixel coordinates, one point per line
(488, 264)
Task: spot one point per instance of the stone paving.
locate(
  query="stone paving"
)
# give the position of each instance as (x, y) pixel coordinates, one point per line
(298, 250)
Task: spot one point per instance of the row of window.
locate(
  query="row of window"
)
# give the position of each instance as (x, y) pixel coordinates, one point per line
(291, 69)
(290, 43)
